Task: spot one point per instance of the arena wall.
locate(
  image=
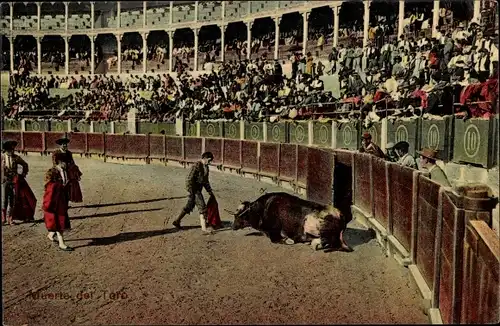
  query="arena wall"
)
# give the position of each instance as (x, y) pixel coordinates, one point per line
(443, 235)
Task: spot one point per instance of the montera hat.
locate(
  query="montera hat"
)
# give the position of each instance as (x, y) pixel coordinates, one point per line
(9, 145)
(367, 135)
(62, 141)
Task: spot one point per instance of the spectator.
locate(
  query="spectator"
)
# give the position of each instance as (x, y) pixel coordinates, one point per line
(428, 162)
(405, 159)
(370, 147)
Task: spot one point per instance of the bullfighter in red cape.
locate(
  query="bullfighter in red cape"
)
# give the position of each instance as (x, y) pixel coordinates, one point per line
(197, 179)
(18, 202)
(74, 173)
(55, 202)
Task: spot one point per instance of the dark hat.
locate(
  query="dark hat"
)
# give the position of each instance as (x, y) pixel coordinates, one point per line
(62, 141)
(402, 145)
(9, 145)
(428, 153)
(367, 135)
(208, 155)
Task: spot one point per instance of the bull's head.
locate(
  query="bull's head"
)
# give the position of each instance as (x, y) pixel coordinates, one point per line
(241, 216)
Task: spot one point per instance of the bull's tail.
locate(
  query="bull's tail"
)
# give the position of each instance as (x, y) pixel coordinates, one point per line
(343, 245)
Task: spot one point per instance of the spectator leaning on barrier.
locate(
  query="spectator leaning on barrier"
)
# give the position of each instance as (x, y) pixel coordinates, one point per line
(428, 162)
(390, 154)
(370, 147)
(405, 159)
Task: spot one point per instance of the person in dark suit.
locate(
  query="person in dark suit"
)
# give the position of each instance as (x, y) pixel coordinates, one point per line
(196, 180)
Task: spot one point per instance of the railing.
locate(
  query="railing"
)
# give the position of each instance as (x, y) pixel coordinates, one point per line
(443, 235)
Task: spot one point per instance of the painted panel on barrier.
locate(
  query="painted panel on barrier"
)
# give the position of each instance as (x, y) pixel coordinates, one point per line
(190, 129)
(58, 126)
(232, 130)
(277, 132)
(347, 136)
(401, 187)
(302, 164)
(428, 195)
(121, 127)
(80, 126)
(33, 141)
(232, 153)
(381, 209)
(168, 128)
(249, 157)
(174, 148)
(322, 134)
(362, 183)
(472, 142)
(116, 145)
(436, 134)
(13, 135)
(214, 145)
(78, 142)
(343, 183)
(10, 124)
(192, 149)
(136, 146)
(376, 131)
(299, 133)
(102, 127)
(404, 130)
(145, 127)
(50, 140)
(211, 129)
(157, 146)
(269, 155)
(288, 161)
(37, 125)
(320, 179)
(254, 131)
(95, 143)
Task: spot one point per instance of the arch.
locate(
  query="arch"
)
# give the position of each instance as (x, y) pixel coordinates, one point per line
(5, 53)
(53, 55)
(263, 38)
(384, 22)
(183, 50)
(25, 53)
(132, 58)
(25, 16)
(79, 55)
(79, 15)
(461, 11)
(106, 48)
(320, 25)
(52, 16)
(291, 38)
(209, 40)
(158, 51)
(235, 36)
(4, 16)
(351, 22)
(413, 26)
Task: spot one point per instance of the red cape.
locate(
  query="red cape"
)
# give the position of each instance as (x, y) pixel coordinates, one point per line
(25, 200)
(213, 216)
(55, 207)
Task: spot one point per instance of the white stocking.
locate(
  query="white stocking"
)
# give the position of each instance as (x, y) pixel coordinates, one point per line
(62, 245)
(203, 223)
(51, 236)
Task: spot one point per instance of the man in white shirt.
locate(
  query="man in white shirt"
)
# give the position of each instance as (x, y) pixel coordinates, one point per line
(405, 159)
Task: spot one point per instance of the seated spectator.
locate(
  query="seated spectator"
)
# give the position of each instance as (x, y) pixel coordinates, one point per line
(370, 147)
(405, 159)
(428, 162)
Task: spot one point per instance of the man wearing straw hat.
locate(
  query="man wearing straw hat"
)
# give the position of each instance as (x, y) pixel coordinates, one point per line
(428, 159)
(18, 201)
(74, 173)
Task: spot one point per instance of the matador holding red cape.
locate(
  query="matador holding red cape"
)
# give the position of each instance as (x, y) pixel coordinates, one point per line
(74, 173)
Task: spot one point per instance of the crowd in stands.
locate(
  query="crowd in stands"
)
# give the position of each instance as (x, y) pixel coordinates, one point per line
(456, 72)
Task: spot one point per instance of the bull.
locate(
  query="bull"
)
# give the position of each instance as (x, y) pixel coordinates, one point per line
(285, 218)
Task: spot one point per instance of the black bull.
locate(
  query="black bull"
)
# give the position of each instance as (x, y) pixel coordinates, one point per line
(282, 216)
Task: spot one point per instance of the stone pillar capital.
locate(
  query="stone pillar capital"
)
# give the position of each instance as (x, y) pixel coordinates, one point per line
(249, 23)
(277, 19)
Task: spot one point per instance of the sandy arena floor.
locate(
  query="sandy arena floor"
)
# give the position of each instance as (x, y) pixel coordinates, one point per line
(128, 269)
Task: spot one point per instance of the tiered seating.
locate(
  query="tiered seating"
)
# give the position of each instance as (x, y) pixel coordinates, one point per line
(48, 22)
(79, 22)
(5, 22)
(25, 23)
(131, 19)
(236, 10)
(111, 21)
(183, 13)
(263, 6)
(209, 11)
(288, 4)
(157, 17)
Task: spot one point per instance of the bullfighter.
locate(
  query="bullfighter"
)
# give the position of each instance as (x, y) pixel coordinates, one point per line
(19, 202)
(197, 179)
(55, 201)
(74, 173)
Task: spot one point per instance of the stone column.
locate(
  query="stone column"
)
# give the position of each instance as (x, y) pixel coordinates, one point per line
(66, 14)
(92, 53)
(170, 48)
(435, 18)
(222, 40)
(277, 21)
(38, 15)
(11, 54)
(171, 13)
(401, 17)
(66, 55)
(92, 14)
(336, 11)
(39, 54)
(145, 52)
(305, 31)
(119, 43)
(11, 9)
(118, 14)
(196, 11)
(144, 13)
(477, 11)
(223, 10)
(249, 39)
(366, 22)
(195, 31)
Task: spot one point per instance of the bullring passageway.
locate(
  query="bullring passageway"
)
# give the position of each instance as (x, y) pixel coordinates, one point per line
(133, 270)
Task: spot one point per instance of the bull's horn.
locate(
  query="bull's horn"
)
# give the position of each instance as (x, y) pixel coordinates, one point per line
(230, 212)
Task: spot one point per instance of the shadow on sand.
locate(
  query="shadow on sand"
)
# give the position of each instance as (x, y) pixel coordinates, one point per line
(115, 213)
(356, 237)
(129, 202)
(128, 236)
